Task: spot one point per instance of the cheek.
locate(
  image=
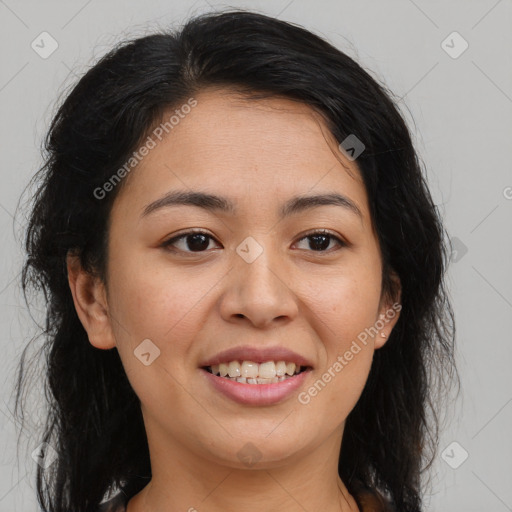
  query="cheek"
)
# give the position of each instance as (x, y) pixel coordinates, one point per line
(335, 388)
(346, 308)
(155, 312)
(154, 301)
(344, 314)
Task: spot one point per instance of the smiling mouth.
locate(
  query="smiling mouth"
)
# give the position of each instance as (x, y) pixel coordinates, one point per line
(249, 372)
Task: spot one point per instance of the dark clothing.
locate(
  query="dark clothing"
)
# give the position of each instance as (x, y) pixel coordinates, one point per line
(116, 504)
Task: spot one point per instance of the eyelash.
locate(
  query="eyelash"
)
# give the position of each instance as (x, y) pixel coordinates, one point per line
(168, 243)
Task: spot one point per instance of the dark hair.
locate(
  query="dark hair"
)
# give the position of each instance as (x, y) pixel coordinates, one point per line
(391, 432)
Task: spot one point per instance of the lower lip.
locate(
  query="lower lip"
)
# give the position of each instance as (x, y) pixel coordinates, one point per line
(256, 394)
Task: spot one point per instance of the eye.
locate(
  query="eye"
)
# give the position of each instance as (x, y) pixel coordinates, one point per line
(199, 241)
(321, 240)
(191, 241)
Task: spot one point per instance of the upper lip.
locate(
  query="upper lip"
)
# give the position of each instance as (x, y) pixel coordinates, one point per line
(257, 355)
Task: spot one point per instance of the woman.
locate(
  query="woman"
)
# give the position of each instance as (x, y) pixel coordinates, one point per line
(244, 273)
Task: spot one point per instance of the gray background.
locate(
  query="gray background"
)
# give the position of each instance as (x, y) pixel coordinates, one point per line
(462, 127)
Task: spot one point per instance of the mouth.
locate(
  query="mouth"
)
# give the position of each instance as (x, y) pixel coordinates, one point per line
(250, 372)
(256, 384)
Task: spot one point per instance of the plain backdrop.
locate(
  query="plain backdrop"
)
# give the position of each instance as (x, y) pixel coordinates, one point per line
(457, 101)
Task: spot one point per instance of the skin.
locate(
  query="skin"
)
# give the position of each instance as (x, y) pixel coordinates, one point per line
(192, 305)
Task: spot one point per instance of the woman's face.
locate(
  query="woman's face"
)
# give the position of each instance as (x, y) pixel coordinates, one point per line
(254, 281)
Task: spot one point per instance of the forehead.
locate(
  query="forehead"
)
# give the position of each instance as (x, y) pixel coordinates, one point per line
(268, 149)
(227, 117)
(227, 124)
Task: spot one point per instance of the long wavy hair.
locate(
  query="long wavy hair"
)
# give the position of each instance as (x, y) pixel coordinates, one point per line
(93, 418)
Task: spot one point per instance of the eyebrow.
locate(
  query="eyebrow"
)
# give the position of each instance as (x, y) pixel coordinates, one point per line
(214, 203)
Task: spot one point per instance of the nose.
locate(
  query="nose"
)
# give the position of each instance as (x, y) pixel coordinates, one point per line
(258, 292)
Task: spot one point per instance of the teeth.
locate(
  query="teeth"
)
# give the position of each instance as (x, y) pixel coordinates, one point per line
(252, 372)
(258, 380)
(249, 369)
(267, 370)
(234, 369)
(280, 368)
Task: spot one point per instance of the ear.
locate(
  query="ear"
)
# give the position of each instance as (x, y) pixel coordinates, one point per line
(90, 301)
(389, 312)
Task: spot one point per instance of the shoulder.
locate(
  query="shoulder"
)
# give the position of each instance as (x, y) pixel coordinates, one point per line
(116, 504)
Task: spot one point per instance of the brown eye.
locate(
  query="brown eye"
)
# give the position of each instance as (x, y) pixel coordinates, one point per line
(192, 241)
(319, 241)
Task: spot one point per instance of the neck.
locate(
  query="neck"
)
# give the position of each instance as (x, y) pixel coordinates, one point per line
(183, 481)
